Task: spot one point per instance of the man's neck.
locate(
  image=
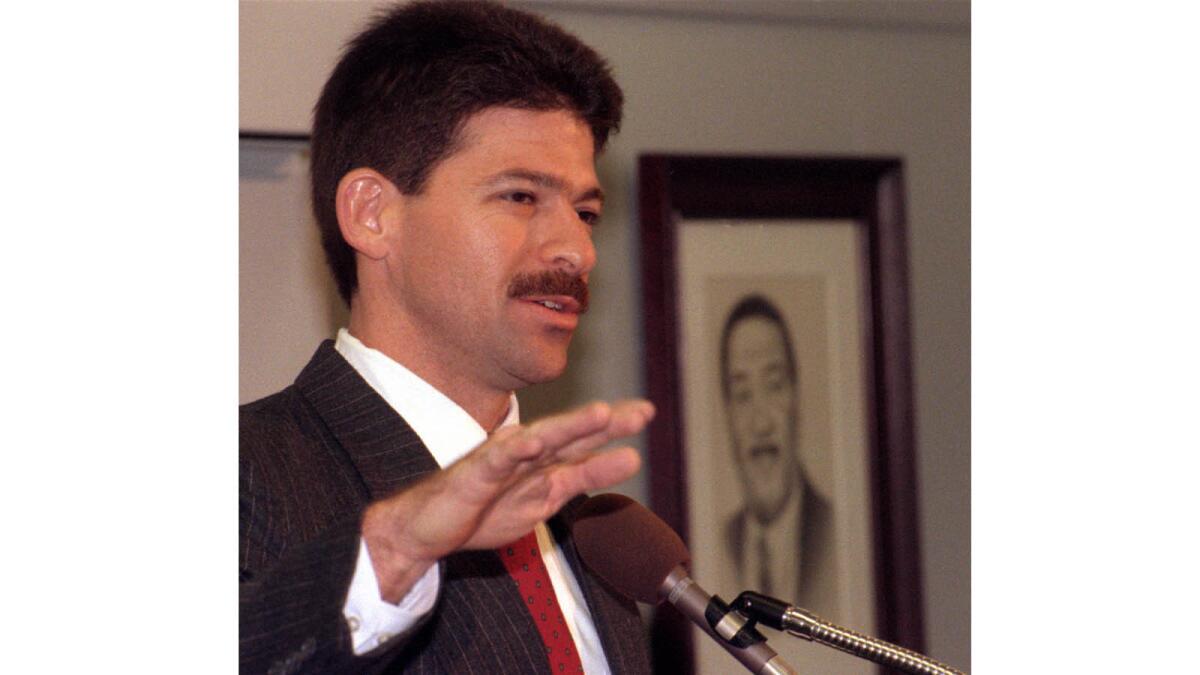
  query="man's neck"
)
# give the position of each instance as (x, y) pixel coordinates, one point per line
(486, 405)
(794, 500)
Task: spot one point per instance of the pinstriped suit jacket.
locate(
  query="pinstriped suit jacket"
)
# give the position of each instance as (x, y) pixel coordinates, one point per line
(311, 458)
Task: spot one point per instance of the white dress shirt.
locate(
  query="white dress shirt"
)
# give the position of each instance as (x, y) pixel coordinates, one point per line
(449, 433)
(783, 560)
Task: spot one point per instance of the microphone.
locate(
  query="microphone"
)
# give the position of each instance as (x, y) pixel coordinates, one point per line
(803, 623)
(642, 558)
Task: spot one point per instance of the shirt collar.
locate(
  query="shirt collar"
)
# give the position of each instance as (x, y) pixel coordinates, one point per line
(448, 431)
(782, 540)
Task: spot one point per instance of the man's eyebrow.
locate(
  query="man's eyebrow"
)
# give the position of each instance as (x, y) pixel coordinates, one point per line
(543, 180)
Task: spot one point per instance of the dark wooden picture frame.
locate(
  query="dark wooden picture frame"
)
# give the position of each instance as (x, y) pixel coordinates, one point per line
(870, 192)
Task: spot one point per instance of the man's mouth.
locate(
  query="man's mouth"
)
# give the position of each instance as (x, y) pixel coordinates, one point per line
(764, 451)
(556, 291)
(563, 305)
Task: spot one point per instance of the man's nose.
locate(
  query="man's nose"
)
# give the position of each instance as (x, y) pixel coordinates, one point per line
(568, 243)
(763, 420)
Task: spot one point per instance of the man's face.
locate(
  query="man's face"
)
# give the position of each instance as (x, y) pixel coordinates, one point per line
(512, 207)
(762, 414)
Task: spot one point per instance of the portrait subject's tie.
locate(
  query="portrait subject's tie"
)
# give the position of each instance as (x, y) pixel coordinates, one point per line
(524, 563)
(764, 565)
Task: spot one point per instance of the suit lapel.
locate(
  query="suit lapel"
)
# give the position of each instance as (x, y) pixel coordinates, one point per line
(387, 453)
(479, 625)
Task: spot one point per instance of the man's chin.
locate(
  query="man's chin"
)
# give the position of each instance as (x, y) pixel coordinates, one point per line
(768, 511)
(545, 368)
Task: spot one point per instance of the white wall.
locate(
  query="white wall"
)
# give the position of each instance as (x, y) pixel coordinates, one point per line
(694, 84)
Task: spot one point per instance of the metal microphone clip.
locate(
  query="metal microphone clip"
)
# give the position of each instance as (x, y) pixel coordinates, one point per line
(804, 624)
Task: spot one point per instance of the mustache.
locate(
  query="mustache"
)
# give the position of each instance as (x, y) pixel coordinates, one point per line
(550, 283)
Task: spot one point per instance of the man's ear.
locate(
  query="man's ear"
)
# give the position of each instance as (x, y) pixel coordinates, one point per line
(363, 200)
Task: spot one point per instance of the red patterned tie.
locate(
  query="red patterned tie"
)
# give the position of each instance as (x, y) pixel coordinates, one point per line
(524, 563)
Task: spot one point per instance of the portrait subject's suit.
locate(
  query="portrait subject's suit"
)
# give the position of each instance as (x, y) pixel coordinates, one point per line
(311, 458)
(816, 573)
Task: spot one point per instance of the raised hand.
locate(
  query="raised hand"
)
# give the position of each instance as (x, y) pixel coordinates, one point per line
(501, 489)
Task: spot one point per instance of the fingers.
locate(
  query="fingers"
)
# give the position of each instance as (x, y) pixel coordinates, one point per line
(558, 430)
(519, 477)
(628, 418)
(596, 472)
(613, 420)
(553, 486)
(513, 451)
(531, 471)
(503, 453)
(621, 419)
(542, 493)
(510, 447)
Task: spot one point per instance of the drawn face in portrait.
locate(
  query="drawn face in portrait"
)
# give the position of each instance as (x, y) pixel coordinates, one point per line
(761, 399)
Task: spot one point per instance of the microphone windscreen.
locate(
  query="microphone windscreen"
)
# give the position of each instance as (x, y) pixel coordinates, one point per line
(627, 545)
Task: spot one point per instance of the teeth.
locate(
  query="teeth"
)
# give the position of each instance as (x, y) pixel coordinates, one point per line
(552, 305)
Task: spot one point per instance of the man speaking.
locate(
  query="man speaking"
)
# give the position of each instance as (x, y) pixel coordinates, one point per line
(395, 515)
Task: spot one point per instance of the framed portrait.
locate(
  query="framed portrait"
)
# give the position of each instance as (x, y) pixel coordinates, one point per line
(777, 332)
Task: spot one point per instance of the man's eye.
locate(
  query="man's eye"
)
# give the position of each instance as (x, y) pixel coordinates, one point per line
(521, 197)
(589, 217)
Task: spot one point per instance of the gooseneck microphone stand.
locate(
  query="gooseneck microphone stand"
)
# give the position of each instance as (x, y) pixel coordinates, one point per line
(804, 624)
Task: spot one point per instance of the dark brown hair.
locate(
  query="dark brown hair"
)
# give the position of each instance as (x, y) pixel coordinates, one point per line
(404, 88)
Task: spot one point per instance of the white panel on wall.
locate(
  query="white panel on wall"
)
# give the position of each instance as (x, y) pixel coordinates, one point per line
(288, 302)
